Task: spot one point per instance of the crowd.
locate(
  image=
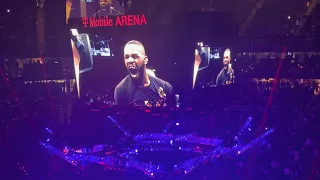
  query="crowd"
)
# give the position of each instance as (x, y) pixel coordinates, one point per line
(35, 100)
(278, 18)
(291, 153)
(264, 17)
(293, 65)
(42, 70)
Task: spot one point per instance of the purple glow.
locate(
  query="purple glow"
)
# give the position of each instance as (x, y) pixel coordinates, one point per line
(158, 142)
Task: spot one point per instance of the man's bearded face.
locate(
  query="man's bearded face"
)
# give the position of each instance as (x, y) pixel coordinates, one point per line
(226, 57)
(104, 3)
(135, 60)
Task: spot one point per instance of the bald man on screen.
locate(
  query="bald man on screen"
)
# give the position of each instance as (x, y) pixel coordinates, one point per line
(138, 85)
(226, 75)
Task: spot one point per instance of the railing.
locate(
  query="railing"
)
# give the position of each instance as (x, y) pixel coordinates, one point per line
(298, 41)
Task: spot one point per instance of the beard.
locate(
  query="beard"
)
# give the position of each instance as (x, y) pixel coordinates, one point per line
(226, 64)
(135, 71)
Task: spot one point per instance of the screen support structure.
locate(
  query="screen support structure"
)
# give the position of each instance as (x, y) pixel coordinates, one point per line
(83, 8)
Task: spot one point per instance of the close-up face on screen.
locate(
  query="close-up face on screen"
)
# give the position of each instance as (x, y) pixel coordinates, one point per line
(212, 67)
(121, 69)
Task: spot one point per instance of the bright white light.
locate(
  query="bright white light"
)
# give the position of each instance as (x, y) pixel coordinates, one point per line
(177, 124)
(74, 32)
(8, 10)
(289, 17)
(151, 72)
(200, 44)
(136, 150)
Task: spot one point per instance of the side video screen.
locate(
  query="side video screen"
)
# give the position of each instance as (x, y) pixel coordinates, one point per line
(212, 66)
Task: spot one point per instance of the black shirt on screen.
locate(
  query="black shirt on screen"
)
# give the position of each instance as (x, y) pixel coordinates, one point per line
(127, 93)
(225, 77)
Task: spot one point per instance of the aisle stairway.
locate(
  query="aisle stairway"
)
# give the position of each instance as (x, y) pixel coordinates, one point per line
(304, 19)
(246, 24)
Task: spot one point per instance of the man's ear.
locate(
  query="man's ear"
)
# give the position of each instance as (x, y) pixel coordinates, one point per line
(146, 60)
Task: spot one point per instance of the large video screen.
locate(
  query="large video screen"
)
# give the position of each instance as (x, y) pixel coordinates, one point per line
(124, 66)
(93, 8)
(212, 66)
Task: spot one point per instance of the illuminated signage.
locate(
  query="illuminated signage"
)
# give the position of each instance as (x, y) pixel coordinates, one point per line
(120, 21)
